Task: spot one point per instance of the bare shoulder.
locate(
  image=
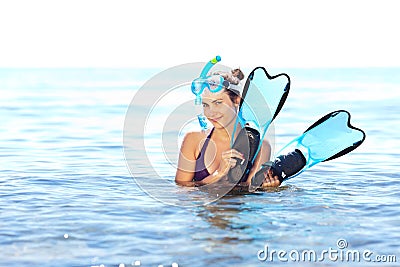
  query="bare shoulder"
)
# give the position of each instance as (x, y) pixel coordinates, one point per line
(195, 135)
(193, 139)
(265, 154)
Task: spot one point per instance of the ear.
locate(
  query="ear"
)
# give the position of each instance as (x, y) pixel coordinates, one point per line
(237, 101)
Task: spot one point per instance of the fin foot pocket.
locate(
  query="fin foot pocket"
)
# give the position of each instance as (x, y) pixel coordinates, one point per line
(247, 143)
(284, 167)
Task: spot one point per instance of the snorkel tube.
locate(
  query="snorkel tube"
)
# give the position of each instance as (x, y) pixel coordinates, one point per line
(198, 86)
(209, 65)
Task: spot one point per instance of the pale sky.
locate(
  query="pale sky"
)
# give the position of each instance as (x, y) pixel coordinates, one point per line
(165, 33)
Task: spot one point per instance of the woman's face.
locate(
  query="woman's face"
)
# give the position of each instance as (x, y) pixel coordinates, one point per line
(219, 108)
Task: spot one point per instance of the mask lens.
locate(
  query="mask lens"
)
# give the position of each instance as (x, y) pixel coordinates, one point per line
(197, 86)
(215, 83)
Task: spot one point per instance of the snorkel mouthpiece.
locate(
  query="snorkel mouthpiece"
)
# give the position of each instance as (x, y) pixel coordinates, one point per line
(198, 86)
(198, 100)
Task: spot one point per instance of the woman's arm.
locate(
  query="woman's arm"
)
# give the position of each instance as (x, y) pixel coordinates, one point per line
(271, 180)
(187, 161)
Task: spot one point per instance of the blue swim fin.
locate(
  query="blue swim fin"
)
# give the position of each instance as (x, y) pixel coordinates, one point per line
(330, 137)
(263, 97)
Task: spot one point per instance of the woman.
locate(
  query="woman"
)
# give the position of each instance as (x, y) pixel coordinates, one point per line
(206, 157)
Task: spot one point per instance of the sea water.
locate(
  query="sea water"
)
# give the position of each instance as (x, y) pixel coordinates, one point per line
(67, 197)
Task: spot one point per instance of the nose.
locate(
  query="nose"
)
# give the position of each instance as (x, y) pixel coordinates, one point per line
(211, 111)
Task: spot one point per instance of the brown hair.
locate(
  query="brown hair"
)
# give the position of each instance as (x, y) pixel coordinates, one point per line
(234, 77)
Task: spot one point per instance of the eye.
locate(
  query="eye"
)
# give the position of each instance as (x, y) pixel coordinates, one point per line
(218, 102)
(205, 105)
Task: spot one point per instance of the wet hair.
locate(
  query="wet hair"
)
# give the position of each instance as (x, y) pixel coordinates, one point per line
(233, 77)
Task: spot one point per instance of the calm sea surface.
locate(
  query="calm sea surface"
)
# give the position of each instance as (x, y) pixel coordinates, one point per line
(67, 197)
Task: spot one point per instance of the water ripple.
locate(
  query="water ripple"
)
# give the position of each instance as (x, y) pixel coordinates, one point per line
(67, 198)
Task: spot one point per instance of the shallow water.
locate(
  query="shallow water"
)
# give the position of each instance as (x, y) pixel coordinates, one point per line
(68, 199)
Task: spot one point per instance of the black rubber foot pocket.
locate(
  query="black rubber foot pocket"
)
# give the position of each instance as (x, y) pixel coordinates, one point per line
(247, 143)
(284, 167)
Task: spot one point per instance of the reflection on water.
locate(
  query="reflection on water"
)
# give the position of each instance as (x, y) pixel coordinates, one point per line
(68, 199)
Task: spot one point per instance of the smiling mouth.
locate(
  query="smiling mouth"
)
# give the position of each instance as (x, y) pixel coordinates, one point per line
(215, 119)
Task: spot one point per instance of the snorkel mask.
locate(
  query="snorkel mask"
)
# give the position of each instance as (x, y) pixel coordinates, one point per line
(213, 83)
(201, 83)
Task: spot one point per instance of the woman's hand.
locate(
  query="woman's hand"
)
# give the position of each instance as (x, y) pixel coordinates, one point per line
(229, 160)
(271, 180)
